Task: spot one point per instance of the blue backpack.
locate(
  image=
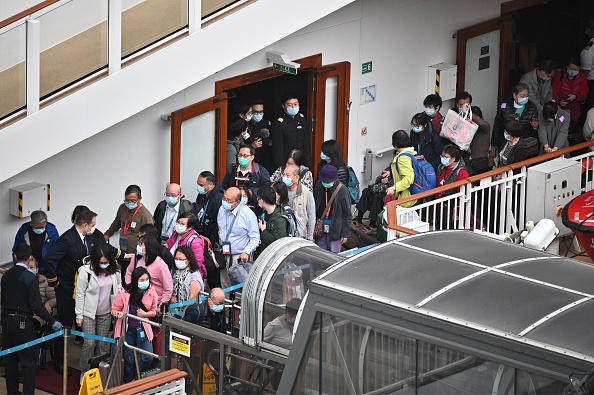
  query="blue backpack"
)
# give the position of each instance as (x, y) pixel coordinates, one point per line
(425, 178)
(353, 186)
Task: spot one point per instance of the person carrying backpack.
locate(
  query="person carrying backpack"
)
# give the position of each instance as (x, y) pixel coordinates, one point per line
(402, 168)
(294, 223)
(272, 224)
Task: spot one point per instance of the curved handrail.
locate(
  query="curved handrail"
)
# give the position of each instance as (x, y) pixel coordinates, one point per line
(391, 206)
(27, 12)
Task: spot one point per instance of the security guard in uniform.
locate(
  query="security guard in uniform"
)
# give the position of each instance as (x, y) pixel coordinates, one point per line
(290, 132)
(21, 299)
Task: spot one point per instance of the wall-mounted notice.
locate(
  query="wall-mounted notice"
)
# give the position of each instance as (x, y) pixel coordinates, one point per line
(368, 94)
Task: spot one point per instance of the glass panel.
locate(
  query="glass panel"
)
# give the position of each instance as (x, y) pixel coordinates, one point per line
(13, 70)
(203, 365)
(146, 22)
(209, 7)
(73, 43)
(196, 133)
(331, 108)
(249, 374)
(290, 281)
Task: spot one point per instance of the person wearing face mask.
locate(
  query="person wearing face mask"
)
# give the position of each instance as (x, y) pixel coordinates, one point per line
(336, 222)
(39, 233)
(139, 299)
(97, 285)
(147, 257)
(553, 127)
(20, 300)
(401, 168)
(168, 210)
(587, 61)
(514, 148)
(62, 263)
(210, 312)
(295, 158)
(237, 134)
(432, 104)
(332, 155)
(130, 216)
(238, 231)
(540, 84)
(48, 294)
(246, 172)
(264, 146)
(424, 140)
(289, 132)
(187, 281)
(301, 200)
(518, 108)
(208, 202)
(451, 169)
(272, 224)
(570, 88)
(185, 235)
(279, 331)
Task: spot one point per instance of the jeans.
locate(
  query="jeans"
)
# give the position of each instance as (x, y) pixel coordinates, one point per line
(145, 360)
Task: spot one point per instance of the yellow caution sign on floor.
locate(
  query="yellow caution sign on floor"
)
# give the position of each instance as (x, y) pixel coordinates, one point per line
(209, 381)
(91, 383)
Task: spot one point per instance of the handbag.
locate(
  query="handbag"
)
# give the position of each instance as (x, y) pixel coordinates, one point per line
(459, 129)
(318, 229)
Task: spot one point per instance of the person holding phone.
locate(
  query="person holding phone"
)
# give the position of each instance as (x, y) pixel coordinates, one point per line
(570, 89)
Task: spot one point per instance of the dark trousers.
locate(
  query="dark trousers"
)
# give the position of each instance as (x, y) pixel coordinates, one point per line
(66, 317)
(12, 336)
(374, 203)
(213, 278)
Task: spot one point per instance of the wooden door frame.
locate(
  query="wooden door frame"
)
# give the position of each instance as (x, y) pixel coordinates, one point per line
(215, 103)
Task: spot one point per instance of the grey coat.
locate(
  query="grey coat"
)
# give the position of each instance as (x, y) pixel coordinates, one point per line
(538, 94)
(553, 133)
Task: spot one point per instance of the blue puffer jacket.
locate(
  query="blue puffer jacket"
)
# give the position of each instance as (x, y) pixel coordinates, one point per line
(51, 237)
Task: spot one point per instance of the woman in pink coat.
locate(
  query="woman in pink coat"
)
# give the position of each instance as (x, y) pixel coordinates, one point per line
(146, 256)
(186, 235)
(139, 299)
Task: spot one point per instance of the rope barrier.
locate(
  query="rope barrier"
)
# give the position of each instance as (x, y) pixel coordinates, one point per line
(93, 336)
(31, 343)
(174, 307)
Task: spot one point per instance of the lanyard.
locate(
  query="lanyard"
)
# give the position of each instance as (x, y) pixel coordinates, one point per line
(128, 223)
(245, 178)
(329, 208)
(171, 221)
(229, 228)
(204, 210)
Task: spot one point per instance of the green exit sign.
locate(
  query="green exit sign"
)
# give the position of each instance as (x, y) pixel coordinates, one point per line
(284, 69)
(366, 68)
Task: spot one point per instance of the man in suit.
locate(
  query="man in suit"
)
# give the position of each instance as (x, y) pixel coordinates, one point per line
(168, 210)
(61, 265)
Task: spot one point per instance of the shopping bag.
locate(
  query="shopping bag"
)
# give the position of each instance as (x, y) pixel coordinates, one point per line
(459, 129)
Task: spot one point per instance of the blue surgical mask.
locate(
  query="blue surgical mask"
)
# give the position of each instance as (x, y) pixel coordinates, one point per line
(226, 205)
(104, 265)
(417, 129)
(430, 111)
(131, 205)
(244, 201)
(323, 156)
(546, 78)
(38, 231)
(293, 111)
(201, 190)
(445, 161)
(143, 285)
(572, 73)
(522, 101)
(171, 200)
(243, 162)
(257, 117)
(33, 271)
(217, 308)
(288, 181)
(139, 250)
(327, 184)
(506, 136)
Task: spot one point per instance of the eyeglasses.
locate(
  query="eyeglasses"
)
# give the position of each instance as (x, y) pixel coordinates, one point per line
(244, 156)
(229, 200)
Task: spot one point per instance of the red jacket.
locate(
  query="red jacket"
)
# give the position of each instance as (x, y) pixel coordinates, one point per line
(563, 86)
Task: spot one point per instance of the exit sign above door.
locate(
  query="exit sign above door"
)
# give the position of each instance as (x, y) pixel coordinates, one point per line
(284, 69)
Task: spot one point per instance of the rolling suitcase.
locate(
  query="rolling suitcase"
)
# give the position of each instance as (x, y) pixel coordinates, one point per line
(103, 363)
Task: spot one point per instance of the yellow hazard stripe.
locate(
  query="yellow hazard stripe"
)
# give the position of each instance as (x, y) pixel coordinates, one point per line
(437, 79)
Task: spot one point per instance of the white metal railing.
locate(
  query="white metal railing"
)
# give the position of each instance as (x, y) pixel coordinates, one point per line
(494, 204)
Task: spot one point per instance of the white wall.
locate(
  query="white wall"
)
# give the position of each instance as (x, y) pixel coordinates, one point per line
(9, 8)
(401, 37)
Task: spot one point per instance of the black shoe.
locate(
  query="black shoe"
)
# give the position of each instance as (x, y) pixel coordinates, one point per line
(78, 340)
(60, 370)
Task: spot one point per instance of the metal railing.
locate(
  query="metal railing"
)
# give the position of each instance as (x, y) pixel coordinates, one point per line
(494, 201)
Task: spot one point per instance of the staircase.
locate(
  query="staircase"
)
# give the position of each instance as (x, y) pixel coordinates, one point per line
(145, 82)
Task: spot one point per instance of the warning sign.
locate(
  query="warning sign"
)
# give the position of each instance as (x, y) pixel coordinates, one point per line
(179, 344)
(209, 381)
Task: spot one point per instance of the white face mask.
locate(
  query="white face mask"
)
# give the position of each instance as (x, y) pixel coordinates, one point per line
(179, 228)
(180, 264)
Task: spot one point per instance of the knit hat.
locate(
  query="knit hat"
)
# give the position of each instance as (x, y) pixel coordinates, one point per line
(328, 173)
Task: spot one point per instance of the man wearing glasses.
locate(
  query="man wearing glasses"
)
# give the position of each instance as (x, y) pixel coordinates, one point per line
(247, 173)
(168, 210)
(238, 231)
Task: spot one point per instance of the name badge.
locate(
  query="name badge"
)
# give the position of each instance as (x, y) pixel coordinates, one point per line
(326, 225)
(226, 247)
(133, 224)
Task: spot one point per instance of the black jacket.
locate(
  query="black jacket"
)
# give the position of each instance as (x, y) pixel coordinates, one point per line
(20, 294)
(258, 177)
(212, 201)
(430, 147)
(290, 133)
(506, 113)
(340, 211)
(184, 207)
(517, 154)
(264, 153)
(63, 260)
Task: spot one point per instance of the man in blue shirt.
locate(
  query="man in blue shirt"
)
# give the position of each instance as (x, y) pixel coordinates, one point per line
(40, 234)
(238, 231)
